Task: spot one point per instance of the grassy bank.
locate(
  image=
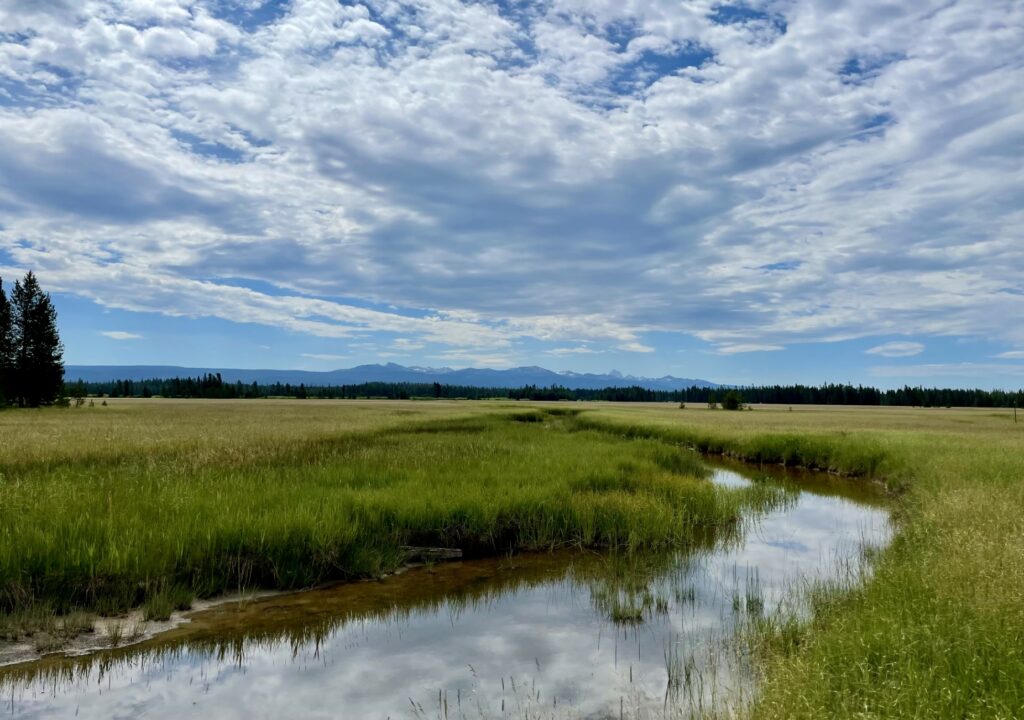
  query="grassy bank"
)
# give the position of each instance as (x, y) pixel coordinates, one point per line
(938, 631)
(150, 504)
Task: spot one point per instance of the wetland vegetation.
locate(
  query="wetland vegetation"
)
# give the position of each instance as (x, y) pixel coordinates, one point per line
(555, 634)
(111, 529)
(150, 503)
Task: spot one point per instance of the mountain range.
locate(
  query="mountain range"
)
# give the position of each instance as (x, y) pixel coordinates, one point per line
(480, 377)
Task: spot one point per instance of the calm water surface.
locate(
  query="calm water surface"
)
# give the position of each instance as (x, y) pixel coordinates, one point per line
(563, 635)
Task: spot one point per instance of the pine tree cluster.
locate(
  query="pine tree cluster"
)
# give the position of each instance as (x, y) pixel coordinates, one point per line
(213, 386)
(31, 354)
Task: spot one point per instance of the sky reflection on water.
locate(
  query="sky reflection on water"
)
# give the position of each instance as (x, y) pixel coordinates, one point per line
(534, 634)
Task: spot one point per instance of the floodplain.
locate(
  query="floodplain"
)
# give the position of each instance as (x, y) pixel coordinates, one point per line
(607, 541)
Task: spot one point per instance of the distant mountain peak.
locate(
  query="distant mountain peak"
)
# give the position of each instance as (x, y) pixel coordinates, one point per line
(389, 372)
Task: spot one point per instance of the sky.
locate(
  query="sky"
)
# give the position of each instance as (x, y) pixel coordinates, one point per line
(763, 191)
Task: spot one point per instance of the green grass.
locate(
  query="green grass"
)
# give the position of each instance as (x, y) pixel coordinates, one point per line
(43, 627)
(109, 505)
(839, 454)
(936, 629)
(162, 603)
(107, 527)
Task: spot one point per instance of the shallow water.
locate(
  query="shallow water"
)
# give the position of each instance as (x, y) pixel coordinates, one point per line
(554, 635)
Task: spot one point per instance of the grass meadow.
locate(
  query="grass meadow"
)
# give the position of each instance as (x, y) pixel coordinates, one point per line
(153, 502)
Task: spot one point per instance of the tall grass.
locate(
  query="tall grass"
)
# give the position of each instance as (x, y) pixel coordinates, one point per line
(839, 454)
(110, 529)
(936, 628)
(219, 495)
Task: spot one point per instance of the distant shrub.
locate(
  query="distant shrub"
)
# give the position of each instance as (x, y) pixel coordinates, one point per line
(732, 401)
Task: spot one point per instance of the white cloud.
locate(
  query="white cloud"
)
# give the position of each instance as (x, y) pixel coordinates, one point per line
(950, 370)
(734, 348)
(326, 357)
(1011, 355)
(582, 350)
(635, 347)
(474, 360)
(154, 156)
(896, 349)
(121, 335)
(406, 344)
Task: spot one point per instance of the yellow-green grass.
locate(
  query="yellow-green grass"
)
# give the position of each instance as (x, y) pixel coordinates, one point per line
(137, 503)
(936, 631)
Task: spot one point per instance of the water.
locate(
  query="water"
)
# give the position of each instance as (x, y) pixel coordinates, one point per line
(555, 635)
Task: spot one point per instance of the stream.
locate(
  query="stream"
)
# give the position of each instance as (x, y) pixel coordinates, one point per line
(564, 634)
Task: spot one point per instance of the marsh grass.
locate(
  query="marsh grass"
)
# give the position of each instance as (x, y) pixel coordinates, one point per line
(842, 455)
(123, 525)
(122, 632)
(935, 629)
(161, 604)
(211, 495)
(43, 629)
(116, 633)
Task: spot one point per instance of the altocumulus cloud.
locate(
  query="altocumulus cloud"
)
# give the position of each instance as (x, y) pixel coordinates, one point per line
(571, 172)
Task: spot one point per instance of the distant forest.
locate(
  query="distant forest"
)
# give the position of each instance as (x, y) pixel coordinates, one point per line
(212, 386)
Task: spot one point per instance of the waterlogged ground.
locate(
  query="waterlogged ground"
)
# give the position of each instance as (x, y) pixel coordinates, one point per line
(554, 635)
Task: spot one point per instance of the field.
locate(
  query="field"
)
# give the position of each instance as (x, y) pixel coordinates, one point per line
(152, 502)
(137, 503)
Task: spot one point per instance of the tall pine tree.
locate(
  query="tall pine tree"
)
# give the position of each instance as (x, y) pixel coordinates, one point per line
(37, 351)
(6, 347)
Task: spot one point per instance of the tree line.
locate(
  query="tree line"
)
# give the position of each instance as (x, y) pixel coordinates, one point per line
(213, 386)
(31, 353)
(32, 374)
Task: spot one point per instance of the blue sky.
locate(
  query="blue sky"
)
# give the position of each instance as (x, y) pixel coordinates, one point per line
(765, 191)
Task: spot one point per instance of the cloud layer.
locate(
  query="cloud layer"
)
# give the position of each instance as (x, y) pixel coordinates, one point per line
(574, 173)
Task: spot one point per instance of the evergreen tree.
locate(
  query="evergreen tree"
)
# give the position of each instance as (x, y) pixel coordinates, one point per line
(37, 351)
(6, 347)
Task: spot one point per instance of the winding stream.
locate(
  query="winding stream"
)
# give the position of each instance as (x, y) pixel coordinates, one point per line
(534, 636)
